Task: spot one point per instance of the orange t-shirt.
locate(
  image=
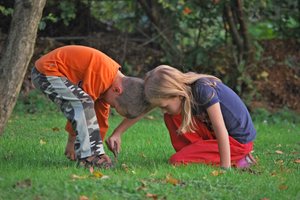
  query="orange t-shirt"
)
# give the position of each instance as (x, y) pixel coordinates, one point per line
(92, 69)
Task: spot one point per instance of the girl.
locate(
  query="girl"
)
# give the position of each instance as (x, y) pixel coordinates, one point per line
(207, 121)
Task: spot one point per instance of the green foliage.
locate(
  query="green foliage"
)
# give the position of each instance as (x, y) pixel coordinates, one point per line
(50, 18)
(34, 102)
(263, 30)
(65, 11)
(121, 15)
(281, 116)
(68, 11)
(274, 18)
(6, 11)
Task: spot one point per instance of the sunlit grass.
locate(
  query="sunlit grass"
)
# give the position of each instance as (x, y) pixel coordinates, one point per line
(32, 164)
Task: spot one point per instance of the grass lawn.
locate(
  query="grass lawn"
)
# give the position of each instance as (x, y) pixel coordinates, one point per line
(32, 164)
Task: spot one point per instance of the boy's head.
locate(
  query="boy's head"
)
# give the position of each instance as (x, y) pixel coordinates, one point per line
(126, 95)
(132, 100)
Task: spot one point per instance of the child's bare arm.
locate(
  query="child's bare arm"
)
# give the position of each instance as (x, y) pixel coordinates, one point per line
(114, 141)
(220, 130)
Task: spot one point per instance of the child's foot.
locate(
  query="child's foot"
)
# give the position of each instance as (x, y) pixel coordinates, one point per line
(102, 161)
(69, 151)
(246, 162)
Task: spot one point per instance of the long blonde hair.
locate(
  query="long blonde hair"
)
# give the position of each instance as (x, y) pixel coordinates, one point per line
(165, 82)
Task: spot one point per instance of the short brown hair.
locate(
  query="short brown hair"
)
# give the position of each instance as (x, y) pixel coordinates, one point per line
(132, 100)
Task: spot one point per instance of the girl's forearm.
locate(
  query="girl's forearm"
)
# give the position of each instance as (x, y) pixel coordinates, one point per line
(224, 149)
(216, 118)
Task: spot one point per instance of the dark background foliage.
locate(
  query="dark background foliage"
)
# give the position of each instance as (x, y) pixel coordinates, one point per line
(253, 46)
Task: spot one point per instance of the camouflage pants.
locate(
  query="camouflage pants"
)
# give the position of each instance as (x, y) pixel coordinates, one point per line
(77, 107)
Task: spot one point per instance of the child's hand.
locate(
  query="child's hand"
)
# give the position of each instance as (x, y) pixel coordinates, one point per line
(114, 144)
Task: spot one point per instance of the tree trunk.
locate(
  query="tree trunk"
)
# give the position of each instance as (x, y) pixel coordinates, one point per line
(17, 53)
(234, 16)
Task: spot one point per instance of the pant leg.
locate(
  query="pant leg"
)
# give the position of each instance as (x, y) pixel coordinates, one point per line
(207, 151)
(77, 107)
(201, 146)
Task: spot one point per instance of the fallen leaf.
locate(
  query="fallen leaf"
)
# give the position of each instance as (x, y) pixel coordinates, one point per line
(23, 184)
(105, 177)
(217, 172)
(279, 152)
(74, 176)
(153, 196)
(97, 174)
(83, 197)
(283, 187)
(125, 167)
(142, 155)
(42, 142)
(55, 129)
(150, 117)
(297, 161)
(142, 187)
(273, 173)
(173, 181)
(280, 162)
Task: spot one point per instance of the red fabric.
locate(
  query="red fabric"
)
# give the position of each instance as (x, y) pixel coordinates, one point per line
(200, 146)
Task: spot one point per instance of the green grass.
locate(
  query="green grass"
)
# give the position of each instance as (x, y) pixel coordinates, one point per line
(32, 164)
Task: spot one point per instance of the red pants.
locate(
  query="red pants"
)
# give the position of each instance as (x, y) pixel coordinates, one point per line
(200, 146)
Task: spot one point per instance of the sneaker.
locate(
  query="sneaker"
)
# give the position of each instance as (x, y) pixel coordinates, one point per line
(100, 161)
(246, 162)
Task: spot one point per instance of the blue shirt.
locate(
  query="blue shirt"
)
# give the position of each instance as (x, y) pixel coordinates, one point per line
(235, 114)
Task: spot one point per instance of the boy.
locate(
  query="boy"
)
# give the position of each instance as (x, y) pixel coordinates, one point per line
(84, 83)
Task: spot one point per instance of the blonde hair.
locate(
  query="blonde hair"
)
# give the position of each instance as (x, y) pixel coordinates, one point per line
(165, 82)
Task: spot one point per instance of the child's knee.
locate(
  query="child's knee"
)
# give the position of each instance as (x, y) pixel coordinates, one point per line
(176, 159)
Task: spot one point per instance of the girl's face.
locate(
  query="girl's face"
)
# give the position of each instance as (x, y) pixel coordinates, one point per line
(171, 105)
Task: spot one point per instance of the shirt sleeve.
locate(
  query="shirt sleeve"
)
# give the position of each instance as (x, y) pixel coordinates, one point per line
(205, 94)
(102, 112)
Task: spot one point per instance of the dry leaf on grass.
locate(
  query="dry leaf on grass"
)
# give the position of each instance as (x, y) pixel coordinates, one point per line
(83, 197)
(171, 180)
(42, 142)
(97, 174)
(153, 196)
(217, 172)
(142, 187)
(75, 177)
(23, 184)
(297, 161)
(279, 152)
(125, 167)
(150, 117)
(283, 187)
(55, 129)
